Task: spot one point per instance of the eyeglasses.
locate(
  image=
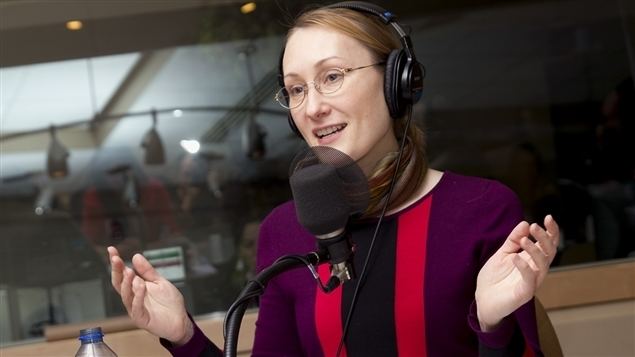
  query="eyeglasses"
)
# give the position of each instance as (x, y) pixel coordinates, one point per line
(327, 82)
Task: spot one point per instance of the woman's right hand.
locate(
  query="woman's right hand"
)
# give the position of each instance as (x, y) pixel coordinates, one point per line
(153, 303)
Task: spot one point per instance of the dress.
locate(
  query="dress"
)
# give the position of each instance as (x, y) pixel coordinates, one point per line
(418, 299)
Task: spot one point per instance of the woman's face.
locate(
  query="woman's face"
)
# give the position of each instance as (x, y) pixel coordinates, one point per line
(354, 119)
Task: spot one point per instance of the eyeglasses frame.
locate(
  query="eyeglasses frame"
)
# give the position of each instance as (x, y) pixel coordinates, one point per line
(281, 98)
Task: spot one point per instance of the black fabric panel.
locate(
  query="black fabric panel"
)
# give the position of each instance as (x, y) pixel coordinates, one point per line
(372, 328)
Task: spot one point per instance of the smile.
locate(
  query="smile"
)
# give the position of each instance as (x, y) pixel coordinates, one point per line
(329, 130)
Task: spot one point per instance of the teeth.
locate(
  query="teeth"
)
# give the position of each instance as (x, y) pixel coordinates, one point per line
(330, 130)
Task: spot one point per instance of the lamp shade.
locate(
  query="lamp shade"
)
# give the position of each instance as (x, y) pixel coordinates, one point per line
(56, 157)
(154, 151)
(253, 140)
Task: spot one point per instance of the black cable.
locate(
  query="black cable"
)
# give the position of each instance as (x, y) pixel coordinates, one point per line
(372, 242)
(256, 287)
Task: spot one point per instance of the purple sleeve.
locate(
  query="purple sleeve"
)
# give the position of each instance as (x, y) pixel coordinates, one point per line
(276, 332)
(198, 346)
(512, 337)
(497, 338)
(517, 331)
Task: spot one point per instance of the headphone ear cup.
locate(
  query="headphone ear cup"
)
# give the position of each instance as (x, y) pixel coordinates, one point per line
(392, 83)
(293, 127)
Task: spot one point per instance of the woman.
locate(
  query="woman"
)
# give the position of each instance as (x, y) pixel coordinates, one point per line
(446, 278)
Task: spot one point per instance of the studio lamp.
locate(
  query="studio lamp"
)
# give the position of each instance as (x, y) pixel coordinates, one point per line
(253, 135)
(253, 140)
(154, 151)
(44, 201)
(56, 158)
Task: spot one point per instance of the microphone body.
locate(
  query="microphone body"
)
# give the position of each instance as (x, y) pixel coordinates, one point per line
(322, 209)
(340, 251)
(328, 188)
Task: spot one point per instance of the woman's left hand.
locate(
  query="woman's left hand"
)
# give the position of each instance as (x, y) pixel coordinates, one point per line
(512, 275)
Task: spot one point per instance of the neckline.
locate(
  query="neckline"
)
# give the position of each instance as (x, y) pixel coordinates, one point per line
(393, 215)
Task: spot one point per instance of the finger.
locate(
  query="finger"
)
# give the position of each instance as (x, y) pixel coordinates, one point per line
(538, 257)
(116, 269)
(145, 270)
(552, 229)
(545, 243)
(512, 243)
(526, 272)
(139, 289)
(112, 251)
(126, 289)
(537, 260)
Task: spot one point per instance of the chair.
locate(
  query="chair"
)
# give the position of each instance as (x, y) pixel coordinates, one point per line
(546, 333)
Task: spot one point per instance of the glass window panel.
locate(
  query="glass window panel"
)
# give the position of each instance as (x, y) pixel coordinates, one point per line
(534, 94)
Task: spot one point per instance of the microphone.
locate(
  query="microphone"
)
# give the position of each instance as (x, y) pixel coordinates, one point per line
(328, 188)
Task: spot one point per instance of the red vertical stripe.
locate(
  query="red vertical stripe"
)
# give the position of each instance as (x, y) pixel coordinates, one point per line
(410, 280)
(528, 351)
(328, 316)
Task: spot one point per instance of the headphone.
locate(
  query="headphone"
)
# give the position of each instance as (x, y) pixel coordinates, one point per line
(403, 79)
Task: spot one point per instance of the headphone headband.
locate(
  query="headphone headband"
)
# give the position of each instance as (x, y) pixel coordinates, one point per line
(387, 17)
(361, 6)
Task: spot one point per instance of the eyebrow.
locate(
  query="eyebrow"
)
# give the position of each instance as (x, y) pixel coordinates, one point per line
(317, 64)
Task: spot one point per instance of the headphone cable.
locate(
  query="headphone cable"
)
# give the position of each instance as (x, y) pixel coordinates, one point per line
(362, 275)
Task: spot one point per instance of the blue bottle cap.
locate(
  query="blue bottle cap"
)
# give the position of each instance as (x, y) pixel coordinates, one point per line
(91, 334)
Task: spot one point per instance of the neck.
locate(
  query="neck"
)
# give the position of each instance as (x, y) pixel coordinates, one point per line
(369, 162)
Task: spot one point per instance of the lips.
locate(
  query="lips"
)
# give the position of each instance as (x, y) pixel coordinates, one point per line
(330, 130)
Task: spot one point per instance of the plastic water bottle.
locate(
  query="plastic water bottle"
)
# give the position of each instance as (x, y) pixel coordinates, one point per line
(93, 344)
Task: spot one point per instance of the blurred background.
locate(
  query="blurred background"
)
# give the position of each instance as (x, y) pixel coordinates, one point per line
(151, 126)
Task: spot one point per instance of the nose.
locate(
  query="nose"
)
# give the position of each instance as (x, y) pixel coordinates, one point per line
(315, 106)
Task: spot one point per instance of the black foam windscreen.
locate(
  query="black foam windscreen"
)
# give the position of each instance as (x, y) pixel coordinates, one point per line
(328, 187)
(319, 199)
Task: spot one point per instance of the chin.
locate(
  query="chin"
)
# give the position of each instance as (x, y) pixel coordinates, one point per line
(345, 150)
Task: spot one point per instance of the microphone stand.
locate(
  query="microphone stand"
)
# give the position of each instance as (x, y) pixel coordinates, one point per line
(256, 287)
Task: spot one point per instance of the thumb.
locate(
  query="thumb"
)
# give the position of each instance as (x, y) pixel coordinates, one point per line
(144, 269)
(512, 243)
